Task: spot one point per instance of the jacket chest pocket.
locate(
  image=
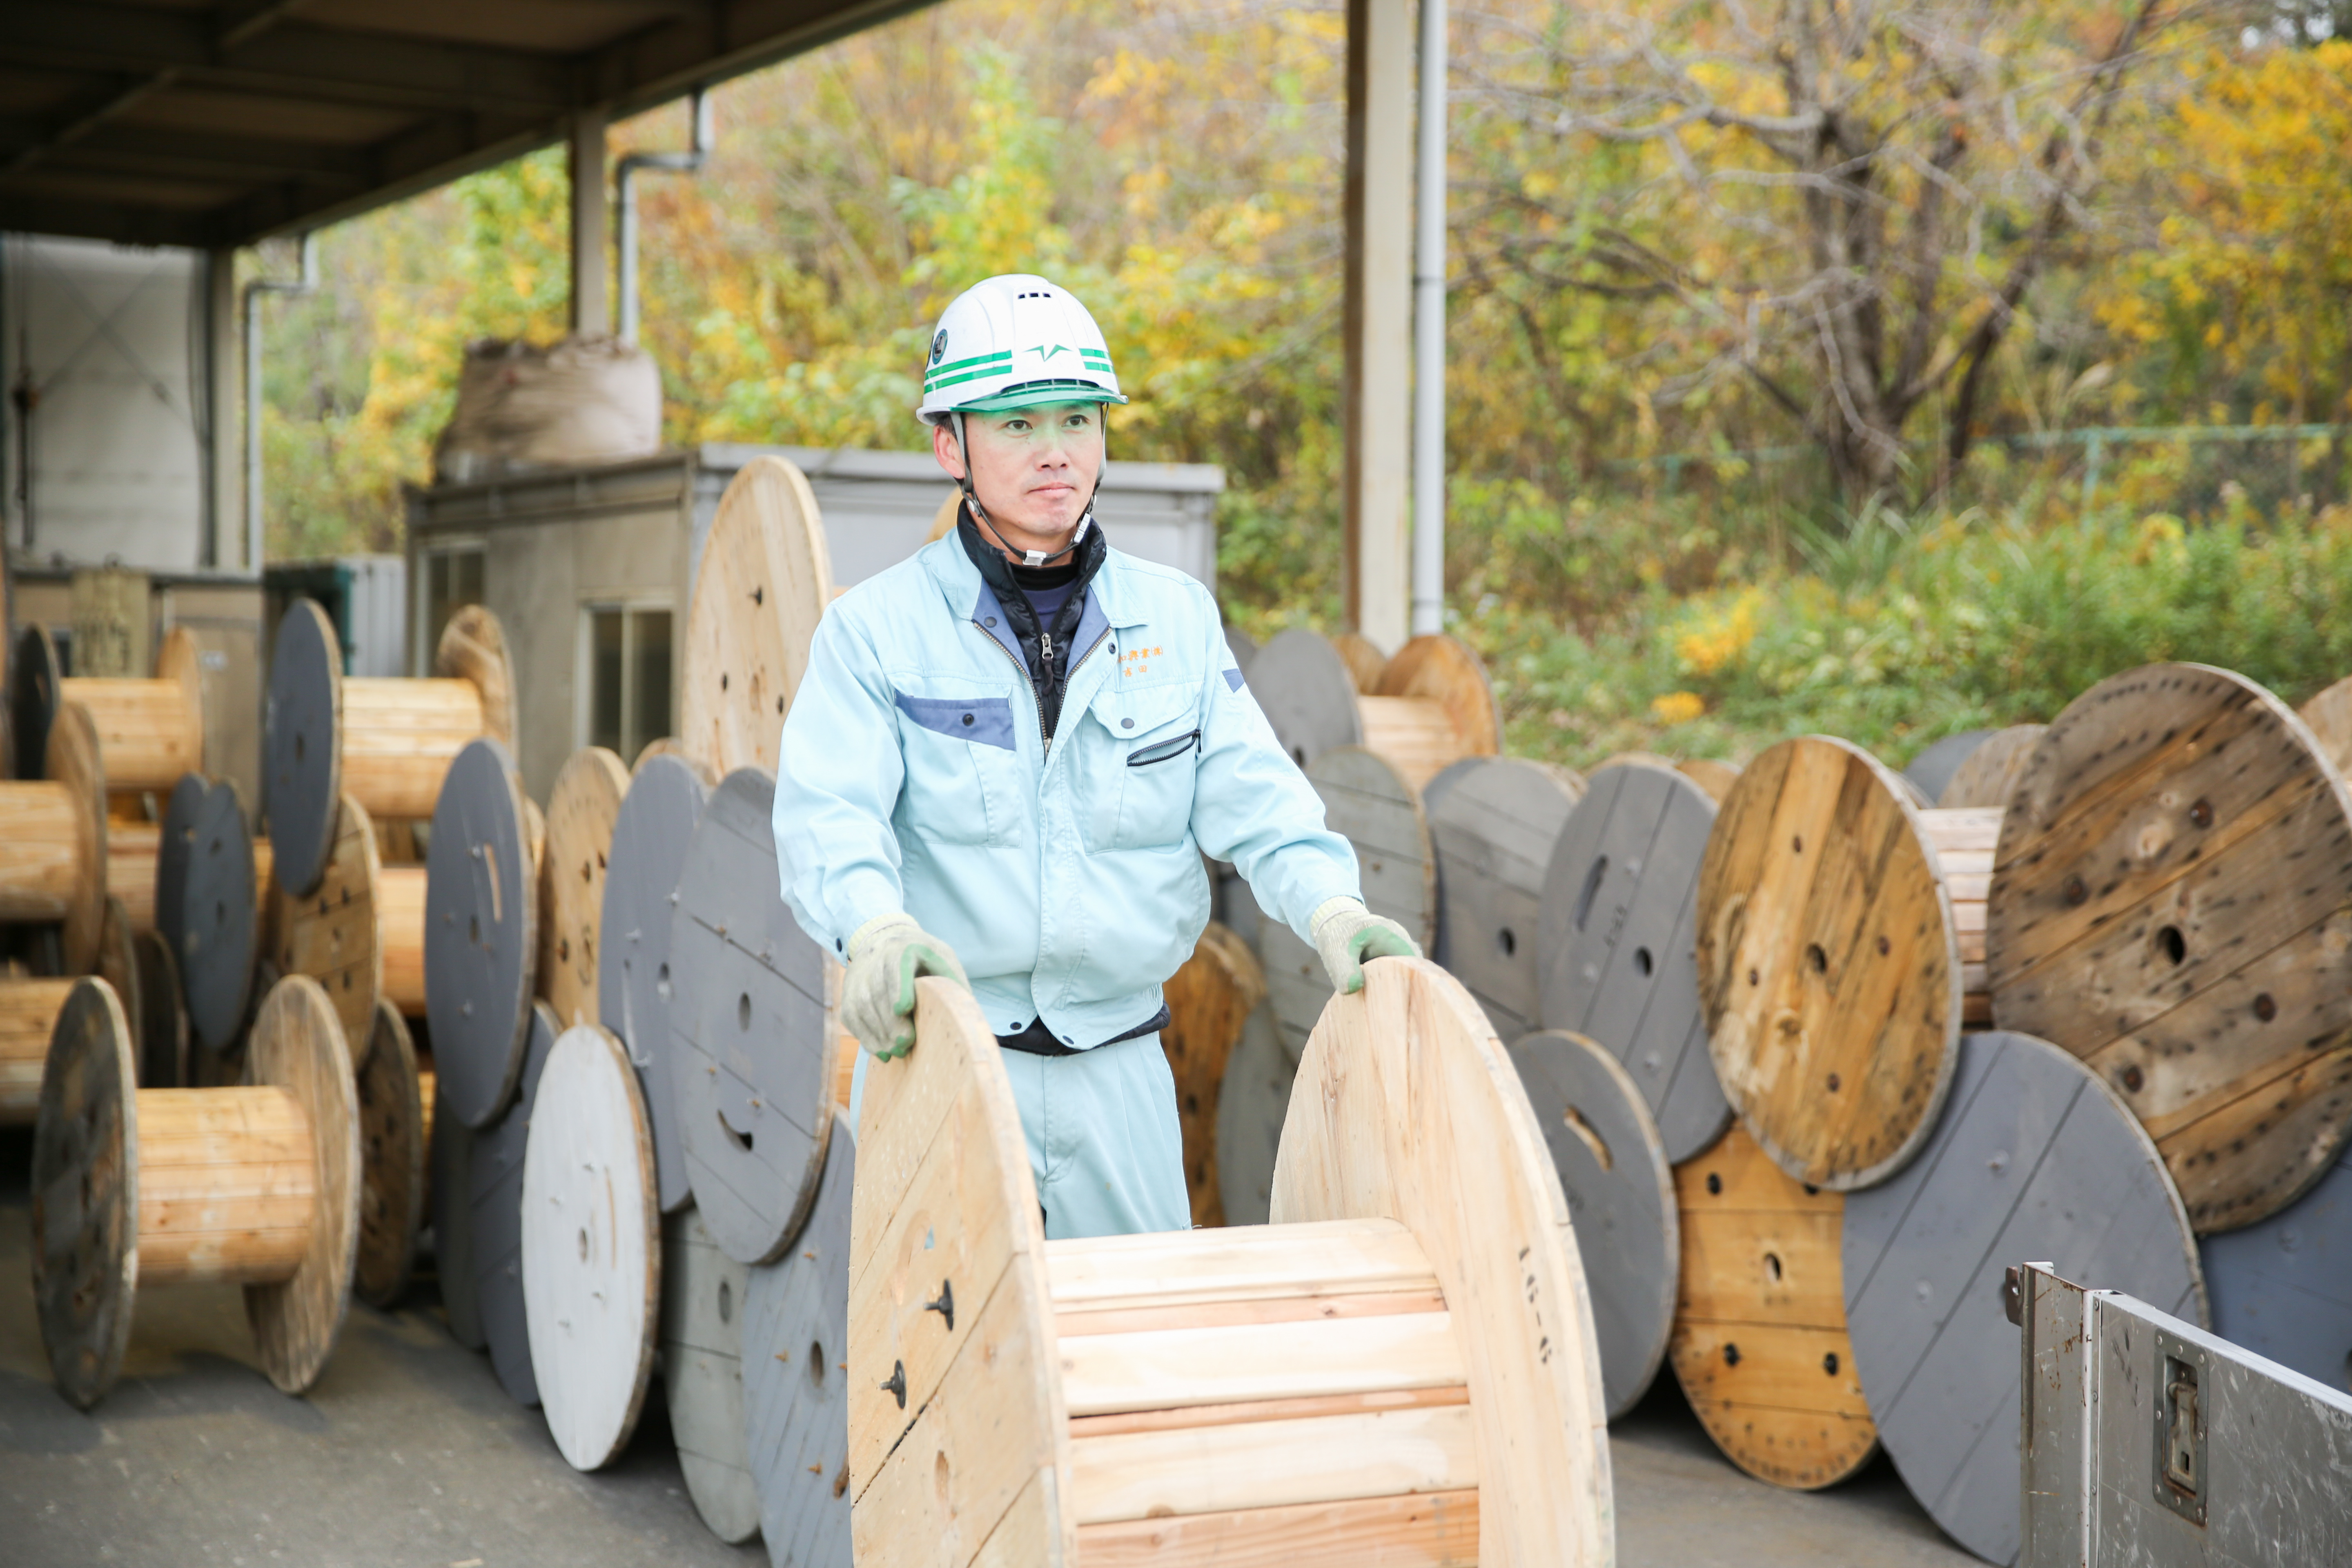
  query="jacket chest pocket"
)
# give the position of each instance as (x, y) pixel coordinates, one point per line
(1143, 751)
(962, 760)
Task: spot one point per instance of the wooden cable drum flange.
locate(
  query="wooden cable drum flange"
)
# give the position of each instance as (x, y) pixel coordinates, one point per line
(764, 584)
(751, 1035)
(494, 1181)
(53, 838)
(1931, 771)
(257, 1185)
(393, 1141)
(481, 932)
(704, 1301)
(2282, 1287)
(2329, 716)
(30, 1007)
(2032, 1158)
(1209, 1000)
(1988, 776)
(208, 878)
(336, 932)
(795, 1386)
(150, 731)
(449, 1192)
(1252, 1098)
(1617, 940)
(1401, 1363)
(580, 810)
(1492, 830)
(633, 990)
(1621, 1194)
(1841, 947)
(591, 1245)
(163, 1024)
(1431, 706)
(1363, 659)
(1759, 1341)
(2173, 905)
(386, 741)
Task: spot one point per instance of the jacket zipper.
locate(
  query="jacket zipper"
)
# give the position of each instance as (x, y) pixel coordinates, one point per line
(1046, 638)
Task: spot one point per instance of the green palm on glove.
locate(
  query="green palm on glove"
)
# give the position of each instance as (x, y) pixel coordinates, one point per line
(878, 1002)
(1346, 934)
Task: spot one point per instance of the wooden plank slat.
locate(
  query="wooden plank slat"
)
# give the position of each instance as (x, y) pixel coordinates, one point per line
(1433, 1530)
(1272, 1464)
(1239, 1263)
(1164, 1369)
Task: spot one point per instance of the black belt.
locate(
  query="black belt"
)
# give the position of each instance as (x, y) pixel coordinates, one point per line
(1037, 1040)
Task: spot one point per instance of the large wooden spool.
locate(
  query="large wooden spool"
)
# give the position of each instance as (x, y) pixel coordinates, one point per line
(30, 1007)
(1431, 706)
(795, 1386)
(2174, 906)
(764, 584)
(1209, 1000)
(2281, 1287)
(150, 730)
(481, 932)
(1400, 1367)
(209, 873)
(257, 1185)
(493, 1244)
(1760, 1342)
(1988, 776)
(704, 1306)
(360, 931)
(581, 811)
(1492, 830)
(53, 840)
(386, 742)
(1841, 950)
(2032, 1158)
(395, 1099)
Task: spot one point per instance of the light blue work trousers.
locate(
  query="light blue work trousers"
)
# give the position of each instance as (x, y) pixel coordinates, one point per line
(1104, 1144)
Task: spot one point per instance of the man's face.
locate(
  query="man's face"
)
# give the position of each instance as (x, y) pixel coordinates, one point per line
(1033, 469)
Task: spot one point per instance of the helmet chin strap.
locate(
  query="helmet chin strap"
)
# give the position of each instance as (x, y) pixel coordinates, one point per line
(980, 513)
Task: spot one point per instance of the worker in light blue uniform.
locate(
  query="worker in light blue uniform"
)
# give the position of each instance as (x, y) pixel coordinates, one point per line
(1007, 755)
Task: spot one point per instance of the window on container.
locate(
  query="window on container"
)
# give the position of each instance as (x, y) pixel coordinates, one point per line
(626, 652)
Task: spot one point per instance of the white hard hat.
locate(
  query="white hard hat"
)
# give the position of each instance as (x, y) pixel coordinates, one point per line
(1014, 341)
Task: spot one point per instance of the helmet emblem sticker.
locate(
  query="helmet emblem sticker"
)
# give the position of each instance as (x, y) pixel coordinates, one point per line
(940, 346)
(1042, 351)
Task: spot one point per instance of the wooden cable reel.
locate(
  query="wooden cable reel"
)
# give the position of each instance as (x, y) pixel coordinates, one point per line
(1841, 933)
(53, 840)
(395, 1130)
(494, 1182)
(1209, 1001)
(2173, 905)
(762, 585)
(150, 731)
(386, 741)
(257, 1185)
(2032, 1158)
(2282, 1287)
(581, 811)
(705, 1300)
(31, 1005)
(1432, 705)
(1618, 939)
(208, 875)
(481, 932)
(1988, 776)
(1401, 1363)
(1492, 831)
(1759, 1343)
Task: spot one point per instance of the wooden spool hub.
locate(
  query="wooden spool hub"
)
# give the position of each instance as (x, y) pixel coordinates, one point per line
(1209, 1000)
(1621, 1195)
(591, 1245)
(53, 834)
(1492, 831)
(1988, 776)
(656, 823)
(494, 1175)
(2282, 1287)
(1760, 1342)
(1431, 706)
(752, 1038)
(1400, 1364)
(150, 731)
(481, 934)
(795, 1392)
(1840, 949)
(392, 1138)
(705, 1295)
(580, 815)
(2170, 908)
(133, 1188)
(207, 908)
(29, 1009)
(2034, 1158)
(335, 933)
(762, 585)
(1617, 937)
(133, 851)
(386, 742)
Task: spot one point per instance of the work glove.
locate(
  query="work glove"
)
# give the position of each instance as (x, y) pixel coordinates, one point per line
(878, 995)
(1347, 933)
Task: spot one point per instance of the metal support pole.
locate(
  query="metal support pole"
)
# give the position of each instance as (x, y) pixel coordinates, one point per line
(1429, 336)
(307, 283)
(625, 203)
(590, 307)
(1375, 488)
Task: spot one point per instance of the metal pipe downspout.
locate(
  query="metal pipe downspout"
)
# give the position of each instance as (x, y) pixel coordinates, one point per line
(306, 284)
(625, 199)
(1429, 336)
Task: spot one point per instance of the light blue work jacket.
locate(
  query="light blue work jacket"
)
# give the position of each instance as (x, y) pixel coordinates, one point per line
(914, 776)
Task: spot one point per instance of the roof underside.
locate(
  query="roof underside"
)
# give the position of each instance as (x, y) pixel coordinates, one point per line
(199, 123)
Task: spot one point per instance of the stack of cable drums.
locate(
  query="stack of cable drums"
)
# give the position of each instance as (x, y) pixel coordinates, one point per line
(1399, 1367)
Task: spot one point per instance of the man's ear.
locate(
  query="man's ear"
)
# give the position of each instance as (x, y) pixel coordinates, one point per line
(943, 448)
